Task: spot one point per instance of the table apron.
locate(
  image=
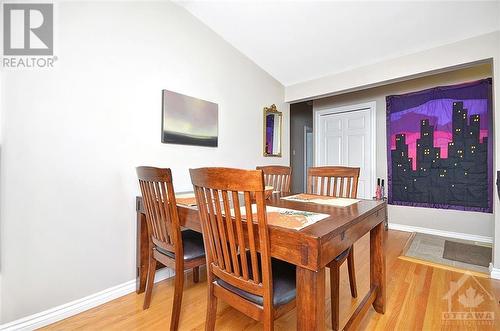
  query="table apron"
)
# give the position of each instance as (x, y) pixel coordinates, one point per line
(334, 246)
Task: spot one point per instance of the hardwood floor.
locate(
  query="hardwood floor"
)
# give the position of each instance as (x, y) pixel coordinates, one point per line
(414, 301)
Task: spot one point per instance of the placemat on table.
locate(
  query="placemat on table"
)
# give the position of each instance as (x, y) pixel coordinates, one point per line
(186, 199)
(322, 200)
(286, 218)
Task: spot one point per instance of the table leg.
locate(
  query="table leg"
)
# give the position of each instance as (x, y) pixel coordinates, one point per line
(142, 253)
(310, 299)
(377, 267)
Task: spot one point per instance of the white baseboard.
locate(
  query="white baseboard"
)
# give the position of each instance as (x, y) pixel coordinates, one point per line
(58, 313)
(441, 233)
(494, 272)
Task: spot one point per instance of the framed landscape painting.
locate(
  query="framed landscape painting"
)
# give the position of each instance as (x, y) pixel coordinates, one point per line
(188, 121)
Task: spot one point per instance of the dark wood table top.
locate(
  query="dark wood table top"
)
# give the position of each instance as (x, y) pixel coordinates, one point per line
(317, 244)
(340, 219)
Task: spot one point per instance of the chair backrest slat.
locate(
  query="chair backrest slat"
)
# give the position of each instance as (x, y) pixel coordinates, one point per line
(241, 235)
(213, 222)
(162, 210)
(230, 234)
(204, 207)
(160, 206)
(236, 237)
(221, 226)
(345, 181)
(251, 240)
(278, 177)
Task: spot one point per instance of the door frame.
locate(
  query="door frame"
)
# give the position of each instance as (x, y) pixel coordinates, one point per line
(305, 153)
(372, 107)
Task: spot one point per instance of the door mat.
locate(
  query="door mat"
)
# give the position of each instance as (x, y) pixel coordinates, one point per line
(430, 249)
(467, 253)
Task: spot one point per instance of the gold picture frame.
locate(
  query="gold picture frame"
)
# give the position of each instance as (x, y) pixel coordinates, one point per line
(273, 131)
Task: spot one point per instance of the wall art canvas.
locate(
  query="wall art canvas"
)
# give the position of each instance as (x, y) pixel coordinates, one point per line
(189, 121)
(439, 147)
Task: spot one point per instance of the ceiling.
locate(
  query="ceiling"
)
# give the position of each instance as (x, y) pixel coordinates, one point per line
(299, 41)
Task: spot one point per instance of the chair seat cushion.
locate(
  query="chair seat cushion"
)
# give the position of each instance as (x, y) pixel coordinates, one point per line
(284, 289)
(192, 243)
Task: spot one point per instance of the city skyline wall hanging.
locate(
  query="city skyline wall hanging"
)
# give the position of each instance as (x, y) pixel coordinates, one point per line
(188, 121)
(439, 147)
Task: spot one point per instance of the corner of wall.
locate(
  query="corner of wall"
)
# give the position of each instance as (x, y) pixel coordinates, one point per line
(496, 160)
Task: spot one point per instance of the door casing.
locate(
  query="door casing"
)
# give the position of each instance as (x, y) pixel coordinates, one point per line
(372, 107)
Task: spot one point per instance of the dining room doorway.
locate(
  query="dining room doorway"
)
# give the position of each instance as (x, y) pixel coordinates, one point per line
(301, 143)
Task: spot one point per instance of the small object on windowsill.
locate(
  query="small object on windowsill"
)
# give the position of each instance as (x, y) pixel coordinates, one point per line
(378, 192)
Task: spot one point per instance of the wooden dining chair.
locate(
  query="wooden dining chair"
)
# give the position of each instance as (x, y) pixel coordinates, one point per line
(279, 177)
(339, 182)
(240, 269)
(180, 250)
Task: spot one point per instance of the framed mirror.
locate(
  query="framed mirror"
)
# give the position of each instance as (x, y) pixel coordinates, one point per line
(272, 131)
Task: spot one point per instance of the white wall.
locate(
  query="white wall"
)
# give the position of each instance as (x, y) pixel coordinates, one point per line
(2, 106)
(416, 65)
(72, 137)
(402, 68)
(496, 146)
(474, 223)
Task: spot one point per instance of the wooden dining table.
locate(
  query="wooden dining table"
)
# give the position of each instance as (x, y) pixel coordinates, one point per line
(310, 249)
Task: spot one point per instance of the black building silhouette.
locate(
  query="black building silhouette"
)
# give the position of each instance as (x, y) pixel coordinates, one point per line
(459, 180)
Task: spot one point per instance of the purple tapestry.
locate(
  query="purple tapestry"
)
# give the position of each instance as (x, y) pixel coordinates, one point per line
(439, 147)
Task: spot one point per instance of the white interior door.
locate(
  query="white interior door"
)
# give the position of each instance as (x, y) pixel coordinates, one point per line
(345, 137)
